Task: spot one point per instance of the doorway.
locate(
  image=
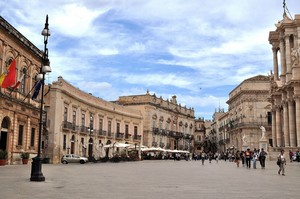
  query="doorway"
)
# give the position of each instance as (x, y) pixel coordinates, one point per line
(4, 133)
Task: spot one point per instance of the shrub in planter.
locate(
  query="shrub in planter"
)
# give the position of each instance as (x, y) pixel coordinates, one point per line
(3, 157)
(25, 157)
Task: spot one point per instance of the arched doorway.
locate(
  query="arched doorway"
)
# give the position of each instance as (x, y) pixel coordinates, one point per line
(73, 144)
(91, 141)
(4, 133)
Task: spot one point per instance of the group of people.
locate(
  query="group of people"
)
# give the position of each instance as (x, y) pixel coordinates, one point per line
(248, 155)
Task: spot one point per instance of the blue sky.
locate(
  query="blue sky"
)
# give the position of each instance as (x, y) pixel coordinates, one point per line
(197, 50)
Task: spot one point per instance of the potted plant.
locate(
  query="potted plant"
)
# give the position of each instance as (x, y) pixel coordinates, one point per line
(25, 157)
(3, 157)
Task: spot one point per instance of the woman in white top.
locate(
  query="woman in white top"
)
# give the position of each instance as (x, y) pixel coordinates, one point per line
(282, 164)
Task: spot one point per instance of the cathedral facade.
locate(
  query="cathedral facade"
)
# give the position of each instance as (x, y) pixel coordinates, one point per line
(285, 83)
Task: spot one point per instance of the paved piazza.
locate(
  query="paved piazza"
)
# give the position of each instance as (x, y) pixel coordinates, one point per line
(151, 179)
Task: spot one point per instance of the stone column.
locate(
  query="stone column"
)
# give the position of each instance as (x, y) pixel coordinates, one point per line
(288, 58)
(275, 63)
(286, 124)
(278, 127)
(282, 60)
(297, 100)
(274, 128)
(292, 122)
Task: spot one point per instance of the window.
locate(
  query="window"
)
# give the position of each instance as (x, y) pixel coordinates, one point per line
(160, 124)
(118, 128)
(91, 121)
(100, 124)
(126, 129)
(269, 118)
(135, 131)
(154, 123)
(167, 126)
(109, 127)
(32, 137)
(66, 114)
(65, 142)
(82, 119)
(74, 117)
(20, 137)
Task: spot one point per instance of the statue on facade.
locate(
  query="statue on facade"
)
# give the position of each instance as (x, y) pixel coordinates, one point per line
(244, 139)
(263, 131)
(295, 54)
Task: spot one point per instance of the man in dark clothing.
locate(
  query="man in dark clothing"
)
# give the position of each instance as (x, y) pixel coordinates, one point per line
(262, 158)
(248, 158)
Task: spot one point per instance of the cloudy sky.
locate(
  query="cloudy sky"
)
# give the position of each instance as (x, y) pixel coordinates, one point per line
(195, 49)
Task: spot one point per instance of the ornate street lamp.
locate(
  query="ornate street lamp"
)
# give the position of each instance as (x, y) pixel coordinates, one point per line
(36, 167)
(91, 131)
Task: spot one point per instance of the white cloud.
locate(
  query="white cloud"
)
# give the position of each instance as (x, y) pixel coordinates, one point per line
(124, 47)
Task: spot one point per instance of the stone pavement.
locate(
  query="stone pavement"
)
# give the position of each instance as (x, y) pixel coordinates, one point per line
(159, 179)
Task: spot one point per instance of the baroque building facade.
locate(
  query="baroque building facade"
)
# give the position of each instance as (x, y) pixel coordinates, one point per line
(166, 124)
(199, 135)
(19, 114)
(248, 112)
(80, 123)
(247, 123)
(218, 125)
(285, 83)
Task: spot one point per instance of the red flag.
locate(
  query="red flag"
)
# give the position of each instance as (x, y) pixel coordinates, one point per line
(10, 78)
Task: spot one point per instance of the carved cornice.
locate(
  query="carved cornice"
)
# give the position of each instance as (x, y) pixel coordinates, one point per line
(19, 37)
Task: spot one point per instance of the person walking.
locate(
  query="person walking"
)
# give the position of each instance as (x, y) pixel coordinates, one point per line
(237, 158)
(282, 162)
(291, 154)
(255, 157)
(242, 154)
(298, 155)
(202, 157)
(248, 158)
(262, 158)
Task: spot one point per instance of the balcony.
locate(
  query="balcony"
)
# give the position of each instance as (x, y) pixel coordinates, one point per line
(137, 137)
(110, 134)
(119, 136)
(127, 136)
(102, 133)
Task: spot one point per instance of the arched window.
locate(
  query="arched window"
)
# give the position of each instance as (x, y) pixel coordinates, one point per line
(23, 80)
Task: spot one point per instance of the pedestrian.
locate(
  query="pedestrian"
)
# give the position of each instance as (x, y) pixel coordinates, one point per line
(248, 158)
(237, 159)
(262, 158)
(217, 155)
(291, 154)
(210, 156)
(202, 157)
(255, 157)
(282, 162)
(298, 155)
(242, 154)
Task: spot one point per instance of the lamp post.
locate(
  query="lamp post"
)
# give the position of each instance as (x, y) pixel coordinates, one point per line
(91, 130)
(36, 167)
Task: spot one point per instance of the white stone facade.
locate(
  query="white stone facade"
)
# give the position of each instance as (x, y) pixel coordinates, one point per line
(166, 124)
(79, 122)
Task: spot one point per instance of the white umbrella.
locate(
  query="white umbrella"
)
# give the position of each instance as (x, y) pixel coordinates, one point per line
(110, 153)
(117, 144)
(102, 151)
